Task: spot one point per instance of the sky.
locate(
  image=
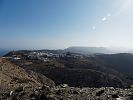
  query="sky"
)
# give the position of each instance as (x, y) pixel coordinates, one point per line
(58, 24)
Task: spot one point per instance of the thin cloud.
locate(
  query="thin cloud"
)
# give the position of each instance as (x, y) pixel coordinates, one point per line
(109, 14)
(94, 27)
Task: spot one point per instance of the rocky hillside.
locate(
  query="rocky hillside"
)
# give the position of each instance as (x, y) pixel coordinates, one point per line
(12, 76)
(75, 69)
(19, 84)
(122, 62)
(77, 72)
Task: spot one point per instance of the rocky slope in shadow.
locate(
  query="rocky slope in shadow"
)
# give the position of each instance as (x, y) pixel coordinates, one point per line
(122, 62)
(19, 84)
(78, 73)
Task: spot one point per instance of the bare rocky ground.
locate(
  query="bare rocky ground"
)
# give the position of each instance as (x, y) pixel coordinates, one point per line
(19, 84)
(64, 92)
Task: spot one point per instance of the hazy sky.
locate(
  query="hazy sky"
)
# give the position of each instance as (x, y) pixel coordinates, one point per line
(38, 24)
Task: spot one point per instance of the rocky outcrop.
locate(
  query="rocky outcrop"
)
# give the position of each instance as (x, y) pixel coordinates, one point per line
(41, 78)
(12, 77)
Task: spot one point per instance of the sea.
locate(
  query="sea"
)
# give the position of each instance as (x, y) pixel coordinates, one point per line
(3, 52)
